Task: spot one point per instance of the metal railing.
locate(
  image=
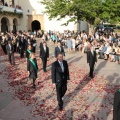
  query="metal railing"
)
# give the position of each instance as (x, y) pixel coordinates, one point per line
(10, 9)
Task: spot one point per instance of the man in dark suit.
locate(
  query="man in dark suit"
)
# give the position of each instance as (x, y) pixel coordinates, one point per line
(59, 50)
(28, 43)
(22, 47)
(44, 54)
(34, 43)
(91, 60)
(60, 75)
(41, 44)
(116, 106)
(10, 52)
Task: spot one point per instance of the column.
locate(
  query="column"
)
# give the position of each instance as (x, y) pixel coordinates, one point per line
(10, 27)
(0, 26)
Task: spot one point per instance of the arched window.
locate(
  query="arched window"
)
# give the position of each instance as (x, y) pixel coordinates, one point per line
(4, 24)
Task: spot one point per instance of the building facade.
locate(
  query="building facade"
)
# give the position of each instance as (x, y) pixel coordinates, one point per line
(28, 15)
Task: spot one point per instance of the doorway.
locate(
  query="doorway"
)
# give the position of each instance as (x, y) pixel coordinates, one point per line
(4, 24)
(35, 25)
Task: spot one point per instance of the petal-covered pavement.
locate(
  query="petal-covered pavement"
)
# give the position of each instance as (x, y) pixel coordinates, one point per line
(86, 99)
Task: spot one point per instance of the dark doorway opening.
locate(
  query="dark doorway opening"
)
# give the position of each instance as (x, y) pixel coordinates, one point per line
(15, 25)
(4, 24)
(13, 3)
(3, 2)
(35, 25)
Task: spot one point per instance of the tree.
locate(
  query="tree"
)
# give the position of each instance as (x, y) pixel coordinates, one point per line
(92, 11)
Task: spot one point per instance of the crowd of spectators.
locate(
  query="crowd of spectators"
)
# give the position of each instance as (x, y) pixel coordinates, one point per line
(6, 4)
(106, 43)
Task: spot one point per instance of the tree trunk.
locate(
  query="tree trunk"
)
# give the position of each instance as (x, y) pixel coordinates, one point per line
(91, 29)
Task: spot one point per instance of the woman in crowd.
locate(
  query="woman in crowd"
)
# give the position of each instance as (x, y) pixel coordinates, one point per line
(85, 45)
(108, 51)
(28, 52)
(73, 43)
(32, 68)
(115, 56)
(117, 59)
(54, 38)
(69, 44)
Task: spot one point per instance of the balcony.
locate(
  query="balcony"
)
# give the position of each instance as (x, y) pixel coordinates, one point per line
(6, 9)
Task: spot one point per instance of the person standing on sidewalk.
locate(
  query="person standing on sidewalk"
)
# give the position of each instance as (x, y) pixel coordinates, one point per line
(60, 75)
(91, 60)
(32, 68)
(10, 52)
(44, 54)
(59, 50)
(28, 52)
(41, 47)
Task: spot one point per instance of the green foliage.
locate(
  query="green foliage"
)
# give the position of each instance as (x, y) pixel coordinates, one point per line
(92, 11)
(97, 22)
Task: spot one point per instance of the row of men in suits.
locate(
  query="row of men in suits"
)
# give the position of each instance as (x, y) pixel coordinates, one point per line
(44, 52)
(20, 43)
(60, 70)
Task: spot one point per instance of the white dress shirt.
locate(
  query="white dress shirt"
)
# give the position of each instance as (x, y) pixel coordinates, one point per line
(61, 65)
(60, 49)
(92, 51)
(10, 46)
(44, 48)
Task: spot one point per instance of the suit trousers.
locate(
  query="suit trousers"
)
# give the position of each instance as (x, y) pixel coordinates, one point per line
(11, 58)
(61, 90)
(4, 49)
(116, 106)
(44, 61)
(21, 53)
(91, 70)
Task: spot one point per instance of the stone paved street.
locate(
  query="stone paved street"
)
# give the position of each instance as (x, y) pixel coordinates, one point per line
(85, 99)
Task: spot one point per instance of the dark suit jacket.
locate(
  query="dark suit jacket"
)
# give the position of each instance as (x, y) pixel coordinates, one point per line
(59, 77)
(116, 106)
(22, 45)
(33, 71)
(31, 67)
(44, 54)
(91, 59)
(8, 49)
(57, 51)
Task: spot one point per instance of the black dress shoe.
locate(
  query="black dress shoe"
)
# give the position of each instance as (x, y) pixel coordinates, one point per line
(60, 108)
(34, 86)
(13, 64)
(92, 77)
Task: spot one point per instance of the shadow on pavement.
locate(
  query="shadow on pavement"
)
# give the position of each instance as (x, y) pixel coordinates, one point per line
(107, 102)
(75, 60)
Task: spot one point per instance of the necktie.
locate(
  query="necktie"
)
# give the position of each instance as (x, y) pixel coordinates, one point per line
(61, 64)
(92, 53)
(45, 49)
(10, 47)
(60, 49)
